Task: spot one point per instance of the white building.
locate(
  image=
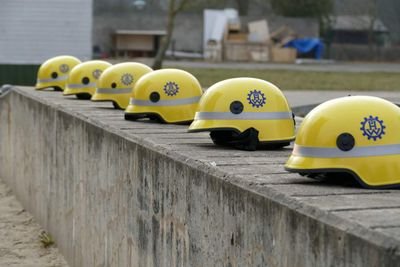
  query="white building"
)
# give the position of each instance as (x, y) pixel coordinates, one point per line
(32, 31)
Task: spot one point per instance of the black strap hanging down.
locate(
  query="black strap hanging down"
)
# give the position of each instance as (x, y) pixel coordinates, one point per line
(247, 140)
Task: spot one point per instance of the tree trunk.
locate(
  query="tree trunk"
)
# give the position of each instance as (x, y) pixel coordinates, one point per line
(158, 60)
(371, 29)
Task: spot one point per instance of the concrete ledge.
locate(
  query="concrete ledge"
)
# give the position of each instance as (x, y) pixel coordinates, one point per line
(119, 193)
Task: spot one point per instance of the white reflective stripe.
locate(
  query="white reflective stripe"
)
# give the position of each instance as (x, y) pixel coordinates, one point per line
(169, 102)
(59, 78)
(243, 116)
(356, 152)
(113, 90)
(80, 86)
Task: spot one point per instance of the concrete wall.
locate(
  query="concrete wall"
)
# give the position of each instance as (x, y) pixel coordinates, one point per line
(112, 198)
(348, 52)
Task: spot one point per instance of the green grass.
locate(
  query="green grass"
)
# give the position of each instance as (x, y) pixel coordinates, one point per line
(46, 239)
(305, 80)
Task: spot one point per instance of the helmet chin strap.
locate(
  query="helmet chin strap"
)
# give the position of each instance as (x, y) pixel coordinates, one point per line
(247, 140)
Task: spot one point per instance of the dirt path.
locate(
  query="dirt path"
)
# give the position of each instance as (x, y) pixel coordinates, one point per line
(19, 236)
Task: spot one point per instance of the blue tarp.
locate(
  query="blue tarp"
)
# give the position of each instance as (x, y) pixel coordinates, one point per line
(306, 45)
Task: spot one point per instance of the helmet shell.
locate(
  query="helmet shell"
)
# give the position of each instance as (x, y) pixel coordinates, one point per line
(242, 103)
(172, 95)
(116, 83)
(54, 72)
(372, 156)
(83, 78)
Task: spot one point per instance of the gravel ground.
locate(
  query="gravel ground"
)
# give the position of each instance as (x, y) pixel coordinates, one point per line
(19, 243)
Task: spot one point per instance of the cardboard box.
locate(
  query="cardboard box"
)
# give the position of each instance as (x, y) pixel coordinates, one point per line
(283, 55)
(281, 34)
(286, 40)
(259, 30)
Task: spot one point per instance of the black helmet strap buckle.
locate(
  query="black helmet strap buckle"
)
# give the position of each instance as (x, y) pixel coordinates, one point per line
(247, 140)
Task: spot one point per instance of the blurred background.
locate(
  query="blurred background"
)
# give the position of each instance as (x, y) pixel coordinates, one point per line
(261, 32)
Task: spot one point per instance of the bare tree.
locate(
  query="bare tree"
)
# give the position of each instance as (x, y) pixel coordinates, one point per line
(372, 16)
(174, 7)
(242, 6)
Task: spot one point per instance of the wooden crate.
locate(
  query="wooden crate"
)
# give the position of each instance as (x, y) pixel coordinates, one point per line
(237, 37)
(235, 51)
(242, 51)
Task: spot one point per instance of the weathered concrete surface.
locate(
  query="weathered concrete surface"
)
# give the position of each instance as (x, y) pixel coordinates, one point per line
(119, 193)
(303, 101)
(20, 244)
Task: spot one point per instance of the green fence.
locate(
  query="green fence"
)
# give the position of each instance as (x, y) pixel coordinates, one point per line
(18, 74)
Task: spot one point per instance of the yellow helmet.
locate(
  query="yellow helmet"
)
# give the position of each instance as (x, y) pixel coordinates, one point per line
(244, 112)
(170, 95)
(82, 80)
(54, 72)
(357, 135)
(117, 82)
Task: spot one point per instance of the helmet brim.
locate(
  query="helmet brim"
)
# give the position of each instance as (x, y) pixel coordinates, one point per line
(363, 171)
(215, 125)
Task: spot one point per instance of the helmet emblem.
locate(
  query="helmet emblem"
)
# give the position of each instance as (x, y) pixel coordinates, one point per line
(127, 79)
(96, 73)
(64, 68)
(256, 98)
(373, 128)
(171, 88)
